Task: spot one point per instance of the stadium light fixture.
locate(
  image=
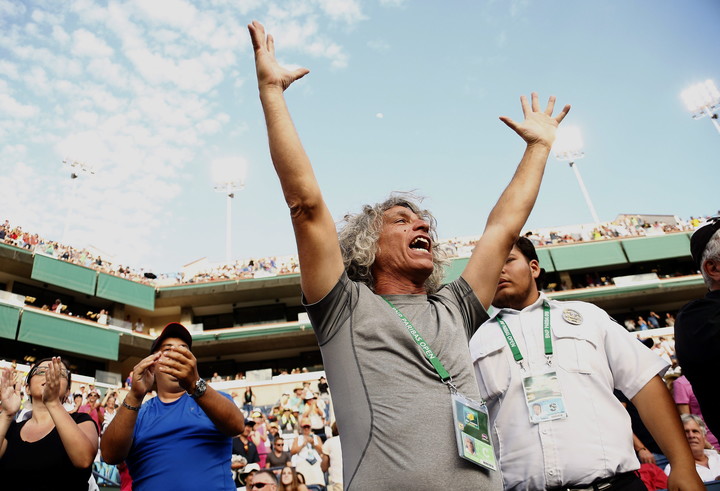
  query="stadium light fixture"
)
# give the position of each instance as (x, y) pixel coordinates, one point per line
(77, 169)
(568, 147)
(702, 100)
(229, 176)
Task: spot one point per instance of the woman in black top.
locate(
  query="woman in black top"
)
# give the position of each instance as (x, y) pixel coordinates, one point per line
(53, 449)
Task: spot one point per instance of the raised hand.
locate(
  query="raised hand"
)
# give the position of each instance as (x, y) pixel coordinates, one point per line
(53, 379)
(539, 126)
(269, 72)
(180, 363)
(9, 392)
(143, 376)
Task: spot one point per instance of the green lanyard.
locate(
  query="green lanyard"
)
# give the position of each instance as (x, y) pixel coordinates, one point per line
(547, 337)
(439, 368)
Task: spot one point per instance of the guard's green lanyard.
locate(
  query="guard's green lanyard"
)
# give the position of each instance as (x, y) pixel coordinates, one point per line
(547, 336)
(439, 368)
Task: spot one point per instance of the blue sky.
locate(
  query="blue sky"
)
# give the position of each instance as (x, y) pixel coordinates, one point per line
(402, 95)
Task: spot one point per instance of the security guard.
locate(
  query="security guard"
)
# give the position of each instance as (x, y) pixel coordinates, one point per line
(547, 371)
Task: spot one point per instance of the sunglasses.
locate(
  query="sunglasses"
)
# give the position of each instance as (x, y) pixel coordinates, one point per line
(43, 371)
(261, 485)
(306, 426)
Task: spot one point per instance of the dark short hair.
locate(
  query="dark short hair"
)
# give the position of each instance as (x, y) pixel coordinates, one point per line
(527, 248)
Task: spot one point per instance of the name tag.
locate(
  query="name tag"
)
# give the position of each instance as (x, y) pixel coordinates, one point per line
(543, 397)
(471, 424)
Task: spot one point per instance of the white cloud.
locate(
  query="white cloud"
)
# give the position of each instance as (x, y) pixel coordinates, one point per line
(329, 50)
(346, 10)
(208, 126)
(37, 79)
(11, 8)
(32, 29)
(60, 35)
(89, 11)
(45, 17)
(14, 150)
(103, 99)
(13, 108)
(137, 89)
(105, 70)
(175, 13)
(8, 69)
(380, 115)
(87, 44)
(87, 118)
(165, 36)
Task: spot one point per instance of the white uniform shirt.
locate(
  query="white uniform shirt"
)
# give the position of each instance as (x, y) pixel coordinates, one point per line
(591, 359)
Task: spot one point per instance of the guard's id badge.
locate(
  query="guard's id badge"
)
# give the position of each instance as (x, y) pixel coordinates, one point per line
(471, 431)
(543, 397)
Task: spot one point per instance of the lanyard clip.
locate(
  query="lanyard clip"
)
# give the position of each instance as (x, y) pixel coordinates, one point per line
(548, 360)
(451, 386)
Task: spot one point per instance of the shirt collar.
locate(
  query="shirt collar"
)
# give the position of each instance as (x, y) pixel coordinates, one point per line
(536, 304)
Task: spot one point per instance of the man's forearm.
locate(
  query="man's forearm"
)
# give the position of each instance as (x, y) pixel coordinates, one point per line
(116, 441)
(517, 200)
(505, 222)
(292, 164)
(659, 414)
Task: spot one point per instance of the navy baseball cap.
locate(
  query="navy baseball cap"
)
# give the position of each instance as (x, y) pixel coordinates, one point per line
(172, 330)
(701, 237)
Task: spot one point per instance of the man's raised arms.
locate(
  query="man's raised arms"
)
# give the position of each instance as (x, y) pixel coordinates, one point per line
(315, 234)
(513, 208)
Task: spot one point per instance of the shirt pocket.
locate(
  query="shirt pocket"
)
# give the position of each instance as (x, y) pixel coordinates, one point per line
(492, 366)
(575, 348)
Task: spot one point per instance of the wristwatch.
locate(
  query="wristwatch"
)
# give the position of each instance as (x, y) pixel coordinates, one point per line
(200, 388)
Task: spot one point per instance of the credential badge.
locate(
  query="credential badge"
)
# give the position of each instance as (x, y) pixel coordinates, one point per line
(572, 317)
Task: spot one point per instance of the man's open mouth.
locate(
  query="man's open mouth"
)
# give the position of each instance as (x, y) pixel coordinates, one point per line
(420, 243)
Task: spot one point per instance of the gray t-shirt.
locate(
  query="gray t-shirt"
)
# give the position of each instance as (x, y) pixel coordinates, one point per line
(393, 413)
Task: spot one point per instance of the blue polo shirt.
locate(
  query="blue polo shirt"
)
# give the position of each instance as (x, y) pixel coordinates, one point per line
(176, 446)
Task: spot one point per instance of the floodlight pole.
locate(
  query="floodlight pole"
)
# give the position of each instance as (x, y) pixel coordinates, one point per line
(703, 99)
(229, 188)
(228, 223)
(584, 190)
(713, 118)
(71, 208)
(568, 147)
(76, 168)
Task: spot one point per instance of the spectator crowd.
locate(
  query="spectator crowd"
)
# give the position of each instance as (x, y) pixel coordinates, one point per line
(623, 227)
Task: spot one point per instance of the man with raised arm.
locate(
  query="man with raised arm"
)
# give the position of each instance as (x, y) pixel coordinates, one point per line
(382, 318)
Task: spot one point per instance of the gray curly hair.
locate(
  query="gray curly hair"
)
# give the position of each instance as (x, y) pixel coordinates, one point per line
(359, 234)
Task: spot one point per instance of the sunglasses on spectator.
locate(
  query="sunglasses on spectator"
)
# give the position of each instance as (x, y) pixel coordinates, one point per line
(260, 485)
(43, 371)
(306, 426)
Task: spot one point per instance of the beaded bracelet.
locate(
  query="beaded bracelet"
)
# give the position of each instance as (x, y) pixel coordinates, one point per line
(131, 408)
